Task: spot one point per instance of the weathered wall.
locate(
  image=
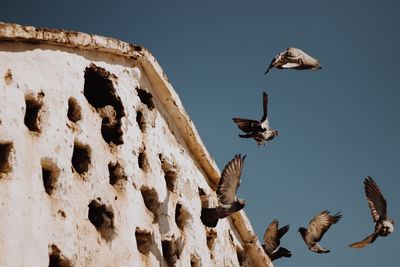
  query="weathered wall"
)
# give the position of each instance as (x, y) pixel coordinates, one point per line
(95, 170)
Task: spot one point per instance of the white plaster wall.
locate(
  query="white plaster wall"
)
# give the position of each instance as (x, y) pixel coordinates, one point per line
(31, 220)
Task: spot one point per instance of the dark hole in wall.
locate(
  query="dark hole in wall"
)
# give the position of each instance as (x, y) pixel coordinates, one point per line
(8, 77)
(211, 237)
(172, 250)
(117, 174)
(102, 217)
(32, 112)
(241, 255)
(181, 216)
(170, 174)
(74, 110)
(203, 198)
(81, 157)
(50, 173)
(144, 241)
(151, 201)
(100, 92)
(146, 98)
(6, 151)
(141, 121)
(142, 160)
(56, 259)
(195, 261)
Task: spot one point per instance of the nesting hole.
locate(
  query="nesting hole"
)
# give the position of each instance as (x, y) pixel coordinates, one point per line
(141, 121)
(170, 175)
(117, 174)
(100, 92)
(144, 241)
(195, 261)
(241, 256)
(74, 110)
(50, 174)
(8, 77)
(102, 217)
(211, 236)
(151, 201)
(142, 160)
(56, 259)
(203, 198)
(81, 157)
(32, 112)
(182, 216)
(172, 250)
(146, 98)
(6, 152)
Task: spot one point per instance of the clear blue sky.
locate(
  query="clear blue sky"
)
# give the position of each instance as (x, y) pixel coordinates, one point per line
(336, 126)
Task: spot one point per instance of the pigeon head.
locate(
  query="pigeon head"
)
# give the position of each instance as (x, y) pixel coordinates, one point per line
(302, 231)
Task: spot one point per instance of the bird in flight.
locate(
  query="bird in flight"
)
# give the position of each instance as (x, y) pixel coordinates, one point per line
(226, 192)
(258, 130)
(272, 237)
(316, 230)
(293, 58)
(377, 204)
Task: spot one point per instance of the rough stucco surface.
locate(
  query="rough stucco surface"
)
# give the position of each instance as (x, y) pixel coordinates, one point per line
(46, 84)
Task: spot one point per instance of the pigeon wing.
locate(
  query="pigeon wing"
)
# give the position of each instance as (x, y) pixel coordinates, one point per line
(271, 237)
(320, 224)
(368, 240)
(376, 202)
(283, 231)
(271, 65)
(246, 125)
(230, 180)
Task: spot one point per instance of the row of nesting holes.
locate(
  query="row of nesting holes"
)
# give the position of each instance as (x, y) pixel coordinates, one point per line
(100, 92)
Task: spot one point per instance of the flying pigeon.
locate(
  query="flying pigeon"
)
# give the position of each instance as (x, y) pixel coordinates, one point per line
(377, 203)
(293, 58)
(316, 230)
(258, 130)
(226, 192)
(272, 238)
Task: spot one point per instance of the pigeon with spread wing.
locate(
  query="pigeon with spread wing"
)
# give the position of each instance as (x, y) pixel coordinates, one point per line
(272, 237)
(377, 204)
(293, 58)
(226, 192)
(316, 230)
(258, 130)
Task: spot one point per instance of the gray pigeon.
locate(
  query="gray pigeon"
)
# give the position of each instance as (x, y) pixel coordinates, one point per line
(293, 58)
(377, 203)
(226, 192)
(316, 230)
(258, 130)
(272, 242)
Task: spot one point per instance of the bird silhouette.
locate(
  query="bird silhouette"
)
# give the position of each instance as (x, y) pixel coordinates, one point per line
(226, 192)
(377, 204)
(272, 237)
(258, 130)
(293, 58)
(316, 230)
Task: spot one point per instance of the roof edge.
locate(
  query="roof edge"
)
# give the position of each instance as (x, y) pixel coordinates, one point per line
(18, 33)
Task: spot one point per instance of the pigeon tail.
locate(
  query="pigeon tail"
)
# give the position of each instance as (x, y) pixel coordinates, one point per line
(209, 217)
(318, 249)
(281, 252)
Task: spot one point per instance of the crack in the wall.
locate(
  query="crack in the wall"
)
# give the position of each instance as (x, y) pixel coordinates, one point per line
(56, 259)
(50, 174)
(6, 155)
